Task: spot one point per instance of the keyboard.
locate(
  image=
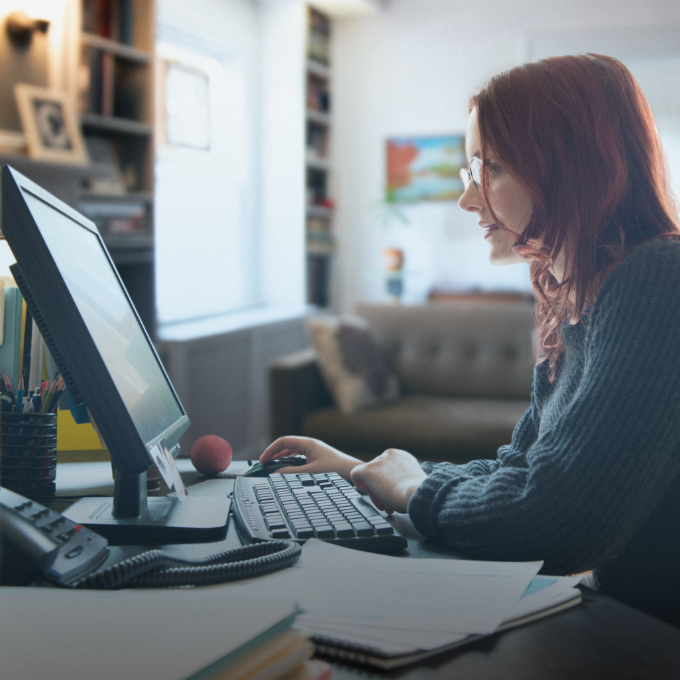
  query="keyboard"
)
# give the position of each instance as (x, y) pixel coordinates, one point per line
(301, 506)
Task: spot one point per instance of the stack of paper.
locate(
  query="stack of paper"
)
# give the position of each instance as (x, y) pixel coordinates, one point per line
(392, 649)
(389, 611)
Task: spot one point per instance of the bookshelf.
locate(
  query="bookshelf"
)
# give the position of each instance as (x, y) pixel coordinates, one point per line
(107, 68)
(320, 239)
(115, 90)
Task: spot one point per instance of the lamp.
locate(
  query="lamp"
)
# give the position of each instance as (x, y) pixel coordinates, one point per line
(20, 28)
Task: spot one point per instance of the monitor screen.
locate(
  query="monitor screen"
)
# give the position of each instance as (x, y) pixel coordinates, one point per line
(96, 290)
(88, 322)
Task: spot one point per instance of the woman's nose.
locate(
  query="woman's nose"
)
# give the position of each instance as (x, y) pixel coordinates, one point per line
(471, 200)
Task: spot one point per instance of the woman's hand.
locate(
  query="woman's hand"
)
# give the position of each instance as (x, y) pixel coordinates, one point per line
(320, 457)
(390, 479)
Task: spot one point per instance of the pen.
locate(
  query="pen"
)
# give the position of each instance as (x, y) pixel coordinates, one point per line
(8, 386)
(20, 394)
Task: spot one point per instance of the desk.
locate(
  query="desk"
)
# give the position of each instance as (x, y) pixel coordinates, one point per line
(602, 638)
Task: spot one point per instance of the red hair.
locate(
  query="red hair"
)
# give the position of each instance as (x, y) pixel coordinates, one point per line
(579, 135)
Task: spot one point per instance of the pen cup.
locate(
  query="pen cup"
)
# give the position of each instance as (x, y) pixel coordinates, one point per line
(28, 453)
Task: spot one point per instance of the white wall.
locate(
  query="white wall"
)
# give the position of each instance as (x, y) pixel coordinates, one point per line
(410, 70)
(283, 37)
(266, 40)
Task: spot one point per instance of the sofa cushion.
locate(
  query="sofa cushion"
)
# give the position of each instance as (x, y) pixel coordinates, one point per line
(431, 428)
(352, 364)
(457, 349)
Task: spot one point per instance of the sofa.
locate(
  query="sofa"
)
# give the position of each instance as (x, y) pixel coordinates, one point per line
(464, 368)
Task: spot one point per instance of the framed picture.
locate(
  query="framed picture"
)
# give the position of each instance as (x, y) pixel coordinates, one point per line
(187, 106)
(50, 124)
(424, 168)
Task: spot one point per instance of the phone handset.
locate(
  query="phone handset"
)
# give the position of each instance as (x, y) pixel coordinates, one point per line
(60, 550)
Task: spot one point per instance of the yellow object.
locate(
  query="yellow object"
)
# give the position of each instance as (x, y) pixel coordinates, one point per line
(277, 657)
(74, 437)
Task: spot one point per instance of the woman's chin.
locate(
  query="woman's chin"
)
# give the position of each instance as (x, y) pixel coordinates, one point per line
(505, 258)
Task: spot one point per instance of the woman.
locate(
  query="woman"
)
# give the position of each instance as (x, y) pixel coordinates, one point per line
(567, 172)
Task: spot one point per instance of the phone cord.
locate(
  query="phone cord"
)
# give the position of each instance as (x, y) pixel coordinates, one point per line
(156, 569)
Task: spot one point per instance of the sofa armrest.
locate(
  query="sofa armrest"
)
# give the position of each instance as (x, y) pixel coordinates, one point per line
(296, 388)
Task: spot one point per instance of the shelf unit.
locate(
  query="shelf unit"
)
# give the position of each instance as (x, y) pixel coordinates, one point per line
(319, 204)
(107, 68)
(115, 99)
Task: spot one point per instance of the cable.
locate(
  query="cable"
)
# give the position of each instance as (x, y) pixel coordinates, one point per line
(156, 569)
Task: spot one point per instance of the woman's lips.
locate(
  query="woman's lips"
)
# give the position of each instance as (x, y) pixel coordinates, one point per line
(490, 229)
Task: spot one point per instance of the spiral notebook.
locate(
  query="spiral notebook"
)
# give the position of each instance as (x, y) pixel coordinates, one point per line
(544, 596)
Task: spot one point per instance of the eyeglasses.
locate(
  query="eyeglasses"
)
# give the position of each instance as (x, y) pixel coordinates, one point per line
(473, 174)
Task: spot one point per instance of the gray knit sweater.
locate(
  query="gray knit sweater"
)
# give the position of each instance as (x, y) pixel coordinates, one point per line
(591, 479)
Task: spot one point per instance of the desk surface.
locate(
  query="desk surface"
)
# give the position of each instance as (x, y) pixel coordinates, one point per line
(602, 638)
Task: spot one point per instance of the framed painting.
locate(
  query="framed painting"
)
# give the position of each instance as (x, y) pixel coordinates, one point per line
(424, 168)
(187, 106)
(50, 124)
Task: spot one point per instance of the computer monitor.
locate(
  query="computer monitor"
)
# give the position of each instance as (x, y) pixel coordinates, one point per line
(104, 354)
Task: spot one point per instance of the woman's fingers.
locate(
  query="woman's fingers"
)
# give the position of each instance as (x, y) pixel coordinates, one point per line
(379, 504)
(391, 478)
(284, 446)
(320, 456)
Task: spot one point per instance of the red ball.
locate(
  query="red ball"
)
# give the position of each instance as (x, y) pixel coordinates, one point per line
(211, 454)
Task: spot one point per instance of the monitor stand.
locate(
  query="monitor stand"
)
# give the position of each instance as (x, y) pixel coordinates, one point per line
(130, 517)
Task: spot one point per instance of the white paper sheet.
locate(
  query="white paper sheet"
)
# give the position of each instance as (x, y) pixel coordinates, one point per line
(395, 639)
(351, 587)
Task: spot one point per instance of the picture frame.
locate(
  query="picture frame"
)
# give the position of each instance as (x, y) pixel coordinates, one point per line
(50, 124)
(424, 168)
(186, 92)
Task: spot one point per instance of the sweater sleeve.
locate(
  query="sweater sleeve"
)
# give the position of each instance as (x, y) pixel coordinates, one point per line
(583, 487)
(513, 453)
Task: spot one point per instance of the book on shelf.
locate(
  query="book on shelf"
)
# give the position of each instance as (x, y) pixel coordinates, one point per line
(116, 216)
(318, 225)
(318, 37)
(111, 19)
(318, 95)
(13, 320)
(107, 86)
(317, 140)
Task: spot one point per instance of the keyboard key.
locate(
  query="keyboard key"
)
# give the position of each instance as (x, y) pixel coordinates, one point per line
(354, 517)
(384, 530)
(344, 530)
(363, 528)
(325, 531)
(274, 522)
(280, 533)
(305, 533)
(365, 508)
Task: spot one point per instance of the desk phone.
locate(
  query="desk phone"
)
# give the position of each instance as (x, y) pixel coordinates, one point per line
(63, 553)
